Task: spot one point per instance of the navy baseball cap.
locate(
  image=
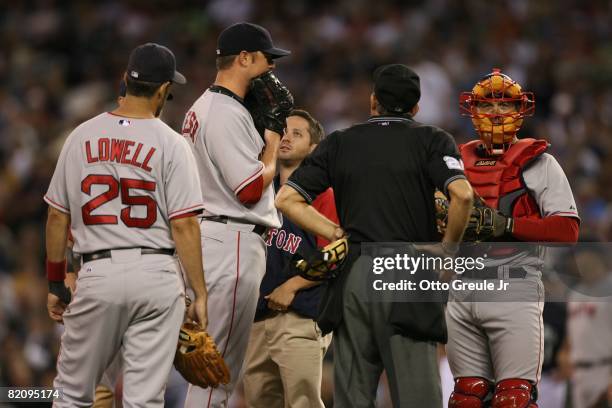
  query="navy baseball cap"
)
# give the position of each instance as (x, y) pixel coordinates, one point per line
(155, 63)
(397, 87)
(247, 37)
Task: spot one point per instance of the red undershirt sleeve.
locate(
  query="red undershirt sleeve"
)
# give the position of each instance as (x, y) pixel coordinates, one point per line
(555, 228)
(251, 193)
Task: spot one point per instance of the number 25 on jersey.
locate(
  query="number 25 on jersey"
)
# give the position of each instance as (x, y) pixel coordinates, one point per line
(115, 187)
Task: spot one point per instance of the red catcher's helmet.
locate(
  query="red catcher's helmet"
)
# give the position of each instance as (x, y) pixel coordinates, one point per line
(497, 130)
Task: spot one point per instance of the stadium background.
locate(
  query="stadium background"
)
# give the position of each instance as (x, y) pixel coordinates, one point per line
(61, 61)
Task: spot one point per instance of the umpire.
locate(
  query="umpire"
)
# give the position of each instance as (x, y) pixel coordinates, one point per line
(384, 173)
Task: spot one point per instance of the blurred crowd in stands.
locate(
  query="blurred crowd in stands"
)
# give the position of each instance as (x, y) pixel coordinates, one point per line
(61, 62)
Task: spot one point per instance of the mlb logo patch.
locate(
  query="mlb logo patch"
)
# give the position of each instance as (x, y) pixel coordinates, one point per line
(124, 122)
(453, 163)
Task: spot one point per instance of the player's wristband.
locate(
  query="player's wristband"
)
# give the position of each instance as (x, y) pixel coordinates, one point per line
(56, 271)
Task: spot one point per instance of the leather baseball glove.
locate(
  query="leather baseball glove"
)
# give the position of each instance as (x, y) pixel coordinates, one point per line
(269, 102)
(252, 105)
(484, 224)
(197, 358)
(322, 264)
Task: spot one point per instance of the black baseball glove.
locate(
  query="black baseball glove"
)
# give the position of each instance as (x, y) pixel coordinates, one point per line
(251, 104)
(269, 102)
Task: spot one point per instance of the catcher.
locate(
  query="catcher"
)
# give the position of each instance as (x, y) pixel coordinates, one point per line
(495, 349)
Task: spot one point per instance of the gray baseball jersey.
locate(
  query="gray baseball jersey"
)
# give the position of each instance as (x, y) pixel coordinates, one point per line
(228, 147)
(122, 180)
(500, 340)
(551, 190)
(546, 181)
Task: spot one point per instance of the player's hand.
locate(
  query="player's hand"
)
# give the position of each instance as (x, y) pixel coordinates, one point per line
(198, 311)
(272, 138)
(338, 233)
(281, 298)
(70, 282)
(55, 308)
(440, 250)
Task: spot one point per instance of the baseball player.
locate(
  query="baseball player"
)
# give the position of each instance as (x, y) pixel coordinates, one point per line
(590, 330)
(495, 349)
(104, 393)
(237, 166)
(284, 358)
(127, 186)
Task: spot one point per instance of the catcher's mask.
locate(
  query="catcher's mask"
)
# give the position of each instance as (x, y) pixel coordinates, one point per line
(487, 105)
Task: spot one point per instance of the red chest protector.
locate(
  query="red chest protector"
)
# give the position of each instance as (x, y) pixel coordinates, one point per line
(498, 179)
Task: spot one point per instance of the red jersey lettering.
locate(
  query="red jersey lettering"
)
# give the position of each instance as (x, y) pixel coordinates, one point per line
(90, 159)
(126, 150)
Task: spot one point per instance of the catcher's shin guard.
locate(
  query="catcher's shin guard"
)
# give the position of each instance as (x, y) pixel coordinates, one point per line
(515, 393)
(471, 392)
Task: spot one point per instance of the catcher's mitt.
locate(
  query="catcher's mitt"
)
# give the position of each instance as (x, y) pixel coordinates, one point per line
(323, 264)
(269, 102)
(484, 224)
(197, 358)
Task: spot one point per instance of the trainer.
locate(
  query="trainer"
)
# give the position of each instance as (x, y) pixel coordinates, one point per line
(384, 173)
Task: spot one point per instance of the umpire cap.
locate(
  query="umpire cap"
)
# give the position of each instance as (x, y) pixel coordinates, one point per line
(396, 87)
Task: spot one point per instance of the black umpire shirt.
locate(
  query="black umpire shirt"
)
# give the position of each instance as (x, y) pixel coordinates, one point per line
(384, 173)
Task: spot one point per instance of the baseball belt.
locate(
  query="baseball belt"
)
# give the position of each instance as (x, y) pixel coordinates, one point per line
(94, 256)
(592, 364)
(494, 273)
(258, 229)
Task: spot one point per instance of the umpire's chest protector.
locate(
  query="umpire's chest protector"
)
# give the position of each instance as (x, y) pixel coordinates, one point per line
(498, 179)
